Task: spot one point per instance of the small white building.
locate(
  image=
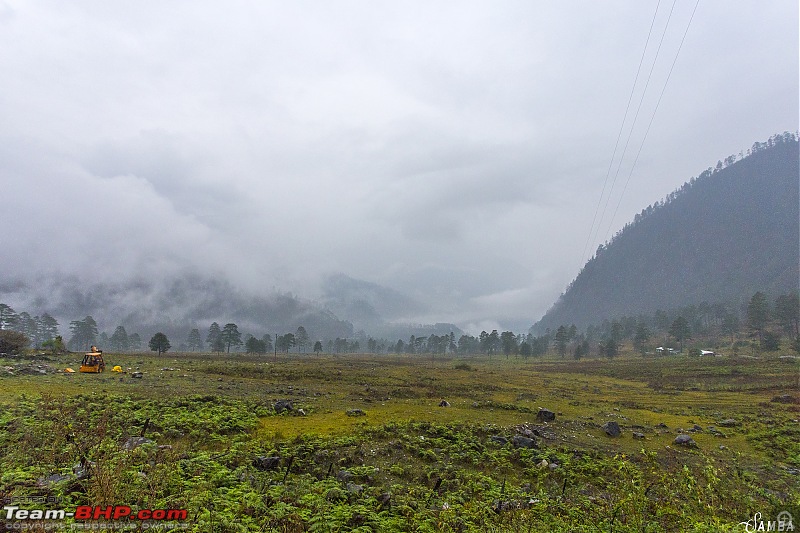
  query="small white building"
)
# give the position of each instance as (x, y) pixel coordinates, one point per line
(661, 350)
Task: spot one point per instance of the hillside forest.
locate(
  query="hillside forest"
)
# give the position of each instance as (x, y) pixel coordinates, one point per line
(722, 236)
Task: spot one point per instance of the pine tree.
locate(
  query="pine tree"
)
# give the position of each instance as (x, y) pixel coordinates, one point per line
(213, 337)
(301, 336)
(194, 341)
(119, 339)
(230, 336)
(758, 314)
(680, 330)
(159, 343)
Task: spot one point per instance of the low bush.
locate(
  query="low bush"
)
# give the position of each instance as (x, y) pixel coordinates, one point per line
(12, 342)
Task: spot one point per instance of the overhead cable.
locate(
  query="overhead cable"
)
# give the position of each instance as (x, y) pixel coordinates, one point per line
(619, 135)
(635, 118)
(652, 117)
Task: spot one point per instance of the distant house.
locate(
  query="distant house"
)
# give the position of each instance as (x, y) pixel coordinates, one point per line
(661, 350)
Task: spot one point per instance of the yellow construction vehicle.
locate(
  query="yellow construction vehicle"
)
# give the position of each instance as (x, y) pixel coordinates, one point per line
(93, 361)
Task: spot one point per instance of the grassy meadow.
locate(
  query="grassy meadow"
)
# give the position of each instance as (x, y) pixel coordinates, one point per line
(367, 446)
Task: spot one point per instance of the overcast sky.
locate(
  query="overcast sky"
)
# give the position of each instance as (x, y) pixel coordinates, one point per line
(454, 151)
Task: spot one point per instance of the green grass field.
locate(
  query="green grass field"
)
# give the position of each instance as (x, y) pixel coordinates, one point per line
(408, 464)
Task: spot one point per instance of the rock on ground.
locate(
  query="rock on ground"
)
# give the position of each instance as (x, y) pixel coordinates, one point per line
(685, 440)
(545, 415)
(134, 442)
(612, 429)
(520, 441)
(266, 463)
(282, 405)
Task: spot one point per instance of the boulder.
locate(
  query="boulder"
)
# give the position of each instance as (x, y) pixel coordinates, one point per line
(545, 415)
(385, 500)
(638, 436)
(444, 403)
(502, 441)
(83, 470)
(538, 431)
(134, 442)
(717, 433)
(282, 405)
(685, 440)
(352, 488)
(137, 375)
(50, 480)
(612, 429)
(344, 476)
(356, 412)
(729, 423)
(520, 441)
(785, 398)
(266, 463)
(501, 506)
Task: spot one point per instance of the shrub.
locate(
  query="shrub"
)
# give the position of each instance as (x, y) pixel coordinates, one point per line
(771, 341)
(56, 346)
(12, 341)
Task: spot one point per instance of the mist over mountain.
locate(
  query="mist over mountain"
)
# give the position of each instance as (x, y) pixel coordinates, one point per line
(368, 305)
(721, 237)
(173, 305)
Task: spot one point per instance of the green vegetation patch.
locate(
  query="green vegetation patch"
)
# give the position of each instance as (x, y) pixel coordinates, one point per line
(481, 462)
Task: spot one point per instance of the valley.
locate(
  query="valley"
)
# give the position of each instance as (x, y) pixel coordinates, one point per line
(365, 442)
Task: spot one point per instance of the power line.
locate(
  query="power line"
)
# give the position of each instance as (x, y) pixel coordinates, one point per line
(636, 117)
(619, 135)
(647, 131)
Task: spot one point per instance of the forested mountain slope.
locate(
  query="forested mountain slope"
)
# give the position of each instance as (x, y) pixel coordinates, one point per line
(721, 237)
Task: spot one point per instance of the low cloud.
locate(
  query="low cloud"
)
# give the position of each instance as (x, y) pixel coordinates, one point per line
(452, 153)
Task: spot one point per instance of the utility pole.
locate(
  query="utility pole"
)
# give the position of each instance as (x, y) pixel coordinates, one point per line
(276, 347)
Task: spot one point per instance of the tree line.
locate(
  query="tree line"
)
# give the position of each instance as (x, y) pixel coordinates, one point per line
(777, 139)
(41, 331)
(758, 325)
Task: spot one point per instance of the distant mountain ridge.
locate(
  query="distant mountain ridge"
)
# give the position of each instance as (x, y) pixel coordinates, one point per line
(175, 304)
(377, 310)
(171, 305)
(730, 232)
(366, 304)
